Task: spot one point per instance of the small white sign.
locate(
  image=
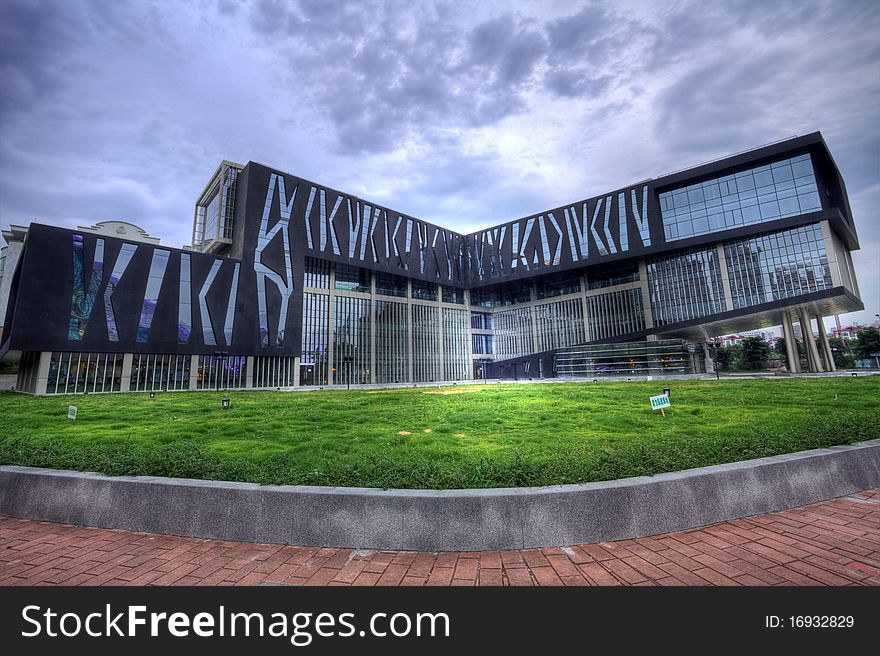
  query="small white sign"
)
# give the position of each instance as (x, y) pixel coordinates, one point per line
(659, 402)
(71, 412)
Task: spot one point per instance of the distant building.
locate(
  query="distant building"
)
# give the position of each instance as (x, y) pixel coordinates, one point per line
(848, 332)
(9, 256)
(121, 230)
(734, 340)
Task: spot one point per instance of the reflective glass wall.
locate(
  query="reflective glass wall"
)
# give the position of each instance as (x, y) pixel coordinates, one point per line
(158, 372)
(559, 324)
(777, 265)
(392, 342)
(351, 340)
(456, 357)
(685, 285)
(76, 373)
(627, 358)
(426, 343)
(314, 363)
(764, 193)
(615, 313)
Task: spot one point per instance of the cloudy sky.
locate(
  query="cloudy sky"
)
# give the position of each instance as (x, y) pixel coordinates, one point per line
(461, 113)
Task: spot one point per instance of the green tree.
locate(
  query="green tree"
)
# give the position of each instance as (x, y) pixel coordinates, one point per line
(842, 351)
(779, 347)
(725, 357)
(754, 353)
(867, 342)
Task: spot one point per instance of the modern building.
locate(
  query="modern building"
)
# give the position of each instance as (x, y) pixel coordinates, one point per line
(15, 237)
(290, 283)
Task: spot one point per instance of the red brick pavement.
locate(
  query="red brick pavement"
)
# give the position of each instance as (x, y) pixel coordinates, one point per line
(831, 543)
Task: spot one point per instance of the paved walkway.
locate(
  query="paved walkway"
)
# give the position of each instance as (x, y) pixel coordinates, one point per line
(831, 543)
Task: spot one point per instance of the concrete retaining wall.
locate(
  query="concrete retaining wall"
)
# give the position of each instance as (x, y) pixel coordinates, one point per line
(429, 520)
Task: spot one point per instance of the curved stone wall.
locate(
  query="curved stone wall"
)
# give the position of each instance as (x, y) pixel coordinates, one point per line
(441, 520)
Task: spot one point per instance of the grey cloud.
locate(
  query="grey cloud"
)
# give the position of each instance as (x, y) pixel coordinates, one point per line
(589, 34)
(127, 107)
(591, 49)
(506, 50)
(574, 83)
(379, 86)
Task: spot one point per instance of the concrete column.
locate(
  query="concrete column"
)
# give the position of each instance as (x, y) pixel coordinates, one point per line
(811, 365)
(584, 308)
(470, 341)
(296, 365)
(791, 351)
(372, 327)
(646, 294)
(533, 298)
(441, 342)
(43, 363)
(725, 278)
(331, 318)
(409, 329)
(249, 373)
(193, 371)
(710, 365)
(826, 345)
(807, 329)
(125, 380)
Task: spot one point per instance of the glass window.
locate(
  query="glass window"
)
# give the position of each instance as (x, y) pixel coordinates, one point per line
(760, 194)
(424, 291)
(390, 285)
(352, 279)
(453, 295)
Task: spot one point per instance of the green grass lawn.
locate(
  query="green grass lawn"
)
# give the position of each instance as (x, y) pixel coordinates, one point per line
(455, 437)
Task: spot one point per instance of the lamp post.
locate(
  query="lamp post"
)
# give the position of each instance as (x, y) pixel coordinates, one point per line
(222, 355)
(348, 360)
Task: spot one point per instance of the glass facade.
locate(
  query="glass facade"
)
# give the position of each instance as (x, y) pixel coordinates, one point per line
(273, 371)
(424, 291)
(388, 284)
(456, 360)
(481, 321)
(426, 343)
(315, 339)
(453, 295)
(216, 211)
(221, 372)
(351, 340)
(559, 324)
(481, 344)
(78, 373)
(317, 274)
(685, 285)
(392, 342)
(157, 373)
(777, 265)
(764, 193)
(615, 313)
(423, 339)
(212, 217)
(513, 332)
(627, 358)
(550, 287)
(352, 279)
(600, 277)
